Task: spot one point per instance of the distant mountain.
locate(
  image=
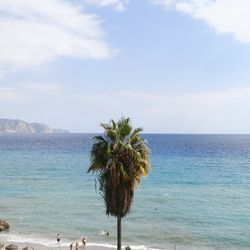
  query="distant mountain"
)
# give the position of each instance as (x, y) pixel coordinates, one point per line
(19, 126)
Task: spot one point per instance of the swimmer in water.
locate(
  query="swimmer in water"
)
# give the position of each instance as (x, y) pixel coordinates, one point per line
(105, 232)
(58, 238)
(71, 246)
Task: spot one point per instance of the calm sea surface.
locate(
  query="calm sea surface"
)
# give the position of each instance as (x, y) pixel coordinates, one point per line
(197, 195)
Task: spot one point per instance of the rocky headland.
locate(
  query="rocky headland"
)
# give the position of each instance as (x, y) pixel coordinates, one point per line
(19, 126)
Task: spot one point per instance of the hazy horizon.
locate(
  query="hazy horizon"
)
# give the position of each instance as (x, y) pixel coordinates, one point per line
(144, 132)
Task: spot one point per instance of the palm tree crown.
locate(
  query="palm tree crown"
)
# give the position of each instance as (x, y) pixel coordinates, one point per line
(120, 158)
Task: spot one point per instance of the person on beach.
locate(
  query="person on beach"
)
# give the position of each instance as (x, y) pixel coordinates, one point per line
(58, 238)
(77, 245)
(84, 241)
(71, 246)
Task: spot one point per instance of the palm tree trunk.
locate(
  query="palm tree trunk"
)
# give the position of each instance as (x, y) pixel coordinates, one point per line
(119, 233)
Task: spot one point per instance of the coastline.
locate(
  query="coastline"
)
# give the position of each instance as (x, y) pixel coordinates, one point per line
(91, 246)
(37, 246)
(46, 244)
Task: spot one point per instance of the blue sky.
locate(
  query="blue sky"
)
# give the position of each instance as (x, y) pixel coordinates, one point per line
(173, 66)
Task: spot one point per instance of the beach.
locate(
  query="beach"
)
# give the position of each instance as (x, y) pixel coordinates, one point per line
(196, 196)
(63, 245)
(59, 247)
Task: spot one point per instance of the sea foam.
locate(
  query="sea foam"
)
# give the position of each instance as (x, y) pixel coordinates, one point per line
(18, 238)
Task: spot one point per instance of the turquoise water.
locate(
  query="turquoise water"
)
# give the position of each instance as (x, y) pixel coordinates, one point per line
(197, 195)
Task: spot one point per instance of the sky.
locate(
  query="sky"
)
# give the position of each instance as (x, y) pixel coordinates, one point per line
(173, 66)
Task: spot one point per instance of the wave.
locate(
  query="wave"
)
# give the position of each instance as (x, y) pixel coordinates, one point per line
(18, 238)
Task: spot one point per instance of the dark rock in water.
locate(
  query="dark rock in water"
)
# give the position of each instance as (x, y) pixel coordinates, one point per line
(11, 247)
(4, 225)
(28, 248)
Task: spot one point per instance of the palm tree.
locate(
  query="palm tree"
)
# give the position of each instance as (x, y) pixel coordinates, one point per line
(119, 158)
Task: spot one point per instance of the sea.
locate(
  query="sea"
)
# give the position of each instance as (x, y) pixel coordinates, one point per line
(196, 196)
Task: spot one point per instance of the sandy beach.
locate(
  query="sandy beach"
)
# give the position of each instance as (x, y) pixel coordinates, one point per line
(59, 247)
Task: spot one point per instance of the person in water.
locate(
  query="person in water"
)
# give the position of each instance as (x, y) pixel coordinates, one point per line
(71, 246)
(77, 245)
(106, 232)
(84, 241)
(58, 238)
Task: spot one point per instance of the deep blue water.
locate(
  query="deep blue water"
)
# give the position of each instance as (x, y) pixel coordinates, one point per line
(197, 195)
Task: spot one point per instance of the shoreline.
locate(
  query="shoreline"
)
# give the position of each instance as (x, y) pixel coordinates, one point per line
(46, 244)
(91, 246)
(37, 246)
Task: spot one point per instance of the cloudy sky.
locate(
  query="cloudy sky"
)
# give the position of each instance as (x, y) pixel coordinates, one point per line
(173, 66)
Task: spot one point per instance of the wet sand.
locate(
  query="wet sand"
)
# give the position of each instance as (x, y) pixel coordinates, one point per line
(42, 247)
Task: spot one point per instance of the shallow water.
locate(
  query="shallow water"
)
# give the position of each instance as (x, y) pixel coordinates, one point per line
(196, 196)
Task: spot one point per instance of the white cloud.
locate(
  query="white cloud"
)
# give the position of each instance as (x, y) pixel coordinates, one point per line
(30, 90)
(225, 16)
(119, 5)
(36, 32)
(8, 94)
(45, 87)
(225, 111)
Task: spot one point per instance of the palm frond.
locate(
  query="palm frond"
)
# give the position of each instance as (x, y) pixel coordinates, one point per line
(120, 159)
